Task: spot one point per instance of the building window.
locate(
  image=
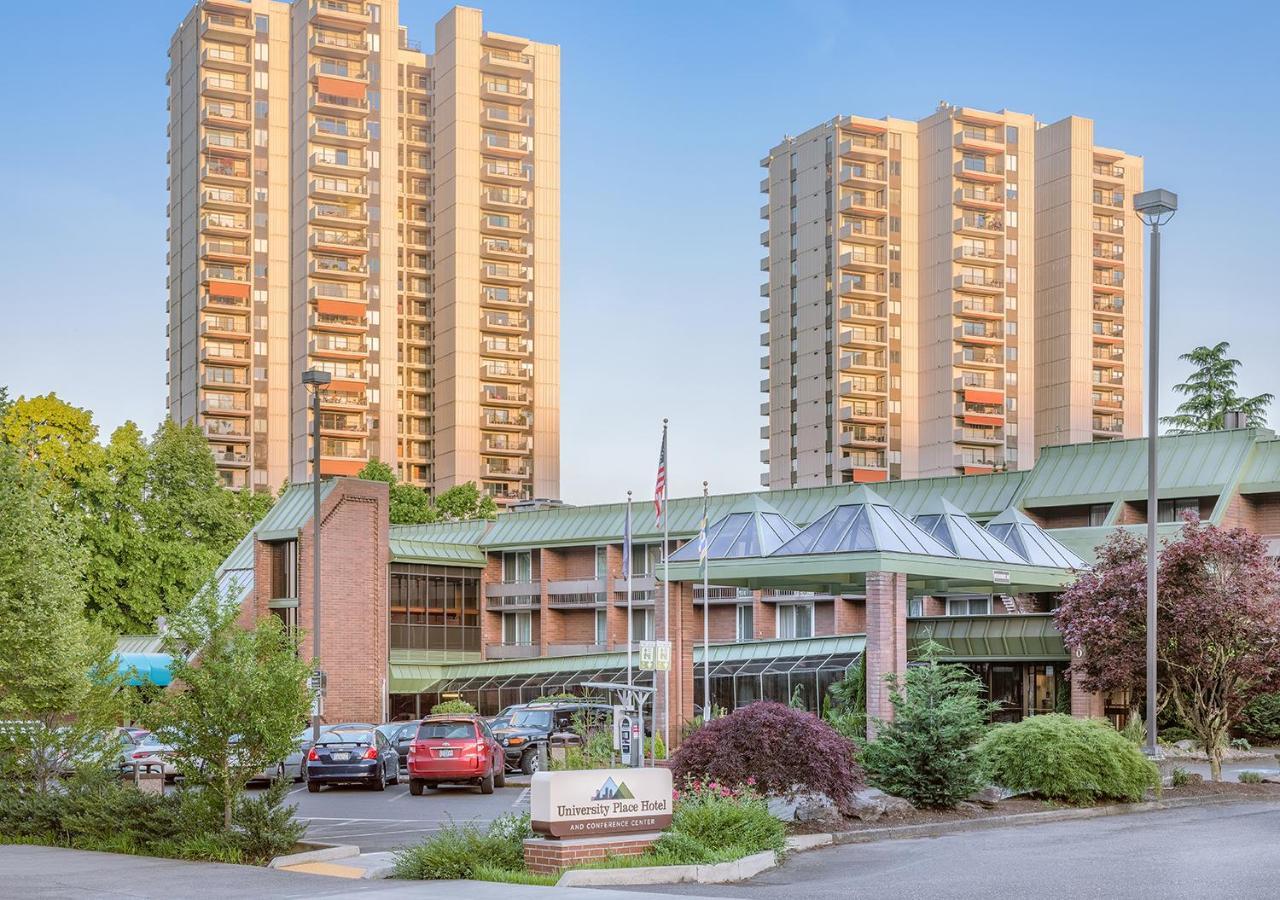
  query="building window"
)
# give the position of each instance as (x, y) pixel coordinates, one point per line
(517, 629)
(434, 608)
(642, 628)
(602, 627)
(517, 567)
(915, 606)
(968, 606)
(645, 559)
(602, 562)
(1174, 510)
(1098, 514)
(746, 623)
(795, 620)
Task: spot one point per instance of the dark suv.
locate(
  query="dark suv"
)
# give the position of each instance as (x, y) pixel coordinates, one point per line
(532, 724)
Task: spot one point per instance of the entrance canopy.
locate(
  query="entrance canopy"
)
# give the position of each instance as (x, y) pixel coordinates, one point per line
(942, 551)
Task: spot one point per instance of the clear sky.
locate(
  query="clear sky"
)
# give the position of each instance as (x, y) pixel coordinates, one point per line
(667, 110)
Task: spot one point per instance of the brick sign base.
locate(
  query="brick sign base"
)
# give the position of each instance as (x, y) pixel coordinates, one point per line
(549, 855)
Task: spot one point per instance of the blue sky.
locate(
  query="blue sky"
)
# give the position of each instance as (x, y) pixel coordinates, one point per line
(668, 109)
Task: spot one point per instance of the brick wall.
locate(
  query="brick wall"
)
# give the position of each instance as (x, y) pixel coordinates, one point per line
(886, 639)
(850, 616)
(548, 856)
(1060, 516)
(355, 555)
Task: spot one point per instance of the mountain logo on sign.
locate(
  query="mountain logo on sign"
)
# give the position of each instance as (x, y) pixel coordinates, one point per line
(611, 790)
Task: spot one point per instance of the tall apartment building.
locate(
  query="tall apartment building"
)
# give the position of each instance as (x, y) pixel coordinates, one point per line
(946, 296)
(340, 200)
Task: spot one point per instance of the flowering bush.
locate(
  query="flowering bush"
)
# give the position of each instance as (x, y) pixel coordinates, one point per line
(771, 749)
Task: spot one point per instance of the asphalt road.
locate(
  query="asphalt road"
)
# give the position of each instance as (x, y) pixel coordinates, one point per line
(393, 818)
(1226, 850)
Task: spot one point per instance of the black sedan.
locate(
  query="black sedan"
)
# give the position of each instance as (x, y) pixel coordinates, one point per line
(352, 756)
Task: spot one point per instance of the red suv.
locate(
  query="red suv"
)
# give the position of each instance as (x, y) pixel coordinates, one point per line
(455, 749)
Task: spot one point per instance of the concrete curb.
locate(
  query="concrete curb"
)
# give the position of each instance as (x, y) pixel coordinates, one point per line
(899, 832)
(322, 853)
(718, 873)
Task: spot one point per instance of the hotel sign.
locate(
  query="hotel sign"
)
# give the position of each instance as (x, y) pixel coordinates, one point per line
(595, 802)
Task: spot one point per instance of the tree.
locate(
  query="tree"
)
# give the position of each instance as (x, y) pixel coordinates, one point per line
(927, 753)
(56, 670)
(409, 505)
(56, 438)
(239, 699)
(464, 501)
(1218, 640)
(1210, 393)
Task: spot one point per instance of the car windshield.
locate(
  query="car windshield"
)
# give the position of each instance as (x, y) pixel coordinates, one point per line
(531, 718)
(347, 737)
(446, 731)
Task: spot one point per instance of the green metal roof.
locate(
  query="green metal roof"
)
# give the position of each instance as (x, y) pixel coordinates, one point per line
(1191, 465)
(465, 532)
(436, 552)
(1084, 542)
(995, 638)
(138, 643)
(1262, 472)
(291, 511)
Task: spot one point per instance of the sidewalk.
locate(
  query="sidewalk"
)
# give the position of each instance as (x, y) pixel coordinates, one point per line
(52, 872)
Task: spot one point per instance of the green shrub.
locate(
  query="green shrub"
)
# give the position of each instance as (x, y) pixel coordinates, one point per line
(507, 876)
(926, 754)
(1078, 761)
(452, 707)
(1176, 733)
(456, 851)
(1181, 777)
(1135, 729)
(719, 819)
(1241, 744)
(1260, 719)
(1250, 778)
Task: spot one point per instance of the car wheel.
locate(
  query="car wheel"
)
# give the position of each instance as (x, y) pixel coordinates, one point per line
(380, 780)
(499, 774)
(486, 783)
(415, 787)
(313, 787)
(395, 778)
(529, 762)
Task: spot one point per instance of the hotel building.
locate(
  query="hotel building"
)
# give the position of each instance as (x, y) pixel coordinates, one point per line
(804, 582)
(946, 296)
(341, 200)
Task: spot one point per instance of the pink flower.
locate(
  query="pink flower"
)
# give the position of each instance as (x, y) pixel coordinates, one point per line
(751, 780)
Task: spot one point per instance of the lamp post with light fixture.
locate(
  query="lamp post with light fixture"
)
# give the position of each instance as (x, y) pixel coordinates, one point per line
(1154, 208)
(315, 380)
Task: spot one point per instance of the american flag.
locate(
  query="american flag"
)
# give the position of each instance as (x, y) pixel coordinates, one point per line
(660, 485)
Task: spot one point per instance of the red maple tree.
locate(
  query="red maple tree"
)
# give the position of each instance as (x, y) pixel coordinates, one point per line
(1218, 640)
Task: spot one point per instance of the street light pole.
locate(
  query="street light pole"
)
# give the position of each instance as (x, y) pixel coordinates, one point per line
(315, 380)
(1155, 208)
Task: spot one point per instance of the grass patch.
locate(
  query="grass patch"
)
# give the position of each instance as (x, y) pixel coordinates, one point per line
(509, 876)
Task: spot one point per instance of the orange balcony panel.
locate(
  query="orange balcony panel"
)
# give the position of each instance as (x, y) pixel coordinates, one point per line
(968, 470)
(865, 476)
(352, 90)
(341, 466)
(339, 384)
(228, 289)
(974, 419)
(972, 395)
(340, 308)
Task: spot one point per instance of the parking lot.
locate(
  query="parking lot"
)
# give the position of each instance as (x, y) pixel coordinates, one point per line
(393, 818)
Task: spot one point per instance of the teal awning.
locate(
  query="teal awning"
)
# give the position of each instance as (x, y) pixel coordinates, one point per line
(145, 668)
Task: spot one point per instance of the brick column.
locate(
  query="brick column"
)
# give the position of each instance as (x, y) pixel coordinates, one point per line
(1086, 704)
(886, 640)
(490, 620)
(686, 632)
(850, 616)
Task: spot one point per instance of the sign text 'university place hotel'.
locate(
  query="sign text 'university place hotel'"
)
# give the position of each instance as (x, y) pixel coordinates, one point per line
(600, 802)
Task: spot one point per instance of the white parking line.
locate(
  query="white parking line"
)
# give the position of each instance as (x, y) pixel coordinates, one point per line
(522, 799)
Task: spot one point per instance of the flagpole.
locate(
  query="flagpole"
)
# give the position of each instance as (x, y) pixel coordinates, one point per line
(630, 566)
(707, 706)
(666, 599)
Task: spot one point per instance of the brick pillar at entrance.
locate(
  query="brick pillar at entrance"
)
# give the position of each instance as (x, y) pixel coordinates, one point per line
(886, 641)
(686, 632)
(1086, 704)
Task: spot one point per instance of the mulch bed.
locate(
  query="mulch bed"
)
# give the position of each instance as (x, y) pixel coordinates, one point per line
(1015, 805)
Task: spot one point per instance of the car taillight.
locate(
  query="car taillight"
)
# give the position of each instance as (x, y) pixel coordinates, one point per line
(140, 754)
(312, 755)
(371, 753)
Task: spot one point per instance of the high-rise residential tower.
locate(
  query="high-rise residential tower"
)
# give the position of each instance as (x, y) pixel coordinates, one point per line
(946, 296)
(340, 200)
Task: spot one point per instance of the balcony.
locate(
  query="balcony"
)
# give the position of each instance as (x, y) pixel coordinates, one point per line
(505, 296)
(638, 583)
(506, 419)
(340, 214)
(236, 199)
(972, 281)
(326, 290)
(1109, 199)
(518, 594)
(339, 162)
(338, 131)
(224, 223)
(339, 44)
(506, 198)
(506, 472)
(225, 87)
(340, 12)
(503, 223)
(858, 145)
(1108, 401)
(976, 384)
(511, 651)
(502, 117)
(979, 307)
(339, 346)
(338, 188)
(983, 254)
(353, 72)
(222, 27)
(504, 273)
(972, 357)
(230, 59)
(858, 173)
(986, 436)
(337, 323)
(982, 199)
(509, 61)
(563, 648)
(234, 327)
(226, 406)
(229, 280)
(972, 332)
(1108, 254)
(864, 437)
(854, 312)
(862, 360)
(862, 387)
(863, 202)
(497, 321)
(505, 145)
(506, 346)
(1107, 355)
(864, 467)
(975, 170)
(225, 251)
(330, 104)
(506, 89)
(862, 337)
(719, 594)
(863, 258)
(972, 463)
(1111, 306)
(873, 413)
(232, 458)
(855, 286)
(224, 171)
(337, 241)
(505, 248)
(979, 140)
(224, 379)
(980, 223)
(507, 371)
(225, 114)
(1108, 425)
(859, 229)
(1108, 172)
(1108, 278)
(226, 430)
(509, 172)
(506, 444)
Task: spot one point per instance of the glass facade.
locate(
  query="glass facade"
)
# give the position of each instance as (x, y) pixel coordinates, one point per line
(434, 608)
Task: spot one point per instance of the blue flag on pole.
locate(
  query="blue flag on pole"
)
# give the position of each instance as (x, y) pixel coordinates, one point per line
(626, 544)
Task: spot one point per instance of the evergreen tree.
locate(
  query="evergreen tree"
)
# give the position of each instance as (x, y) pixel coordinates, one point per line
(1210, 393)
(927, 753)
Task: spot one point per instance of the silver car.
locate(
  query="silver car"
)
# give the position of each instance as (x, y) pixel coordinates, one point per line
(292, 766)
